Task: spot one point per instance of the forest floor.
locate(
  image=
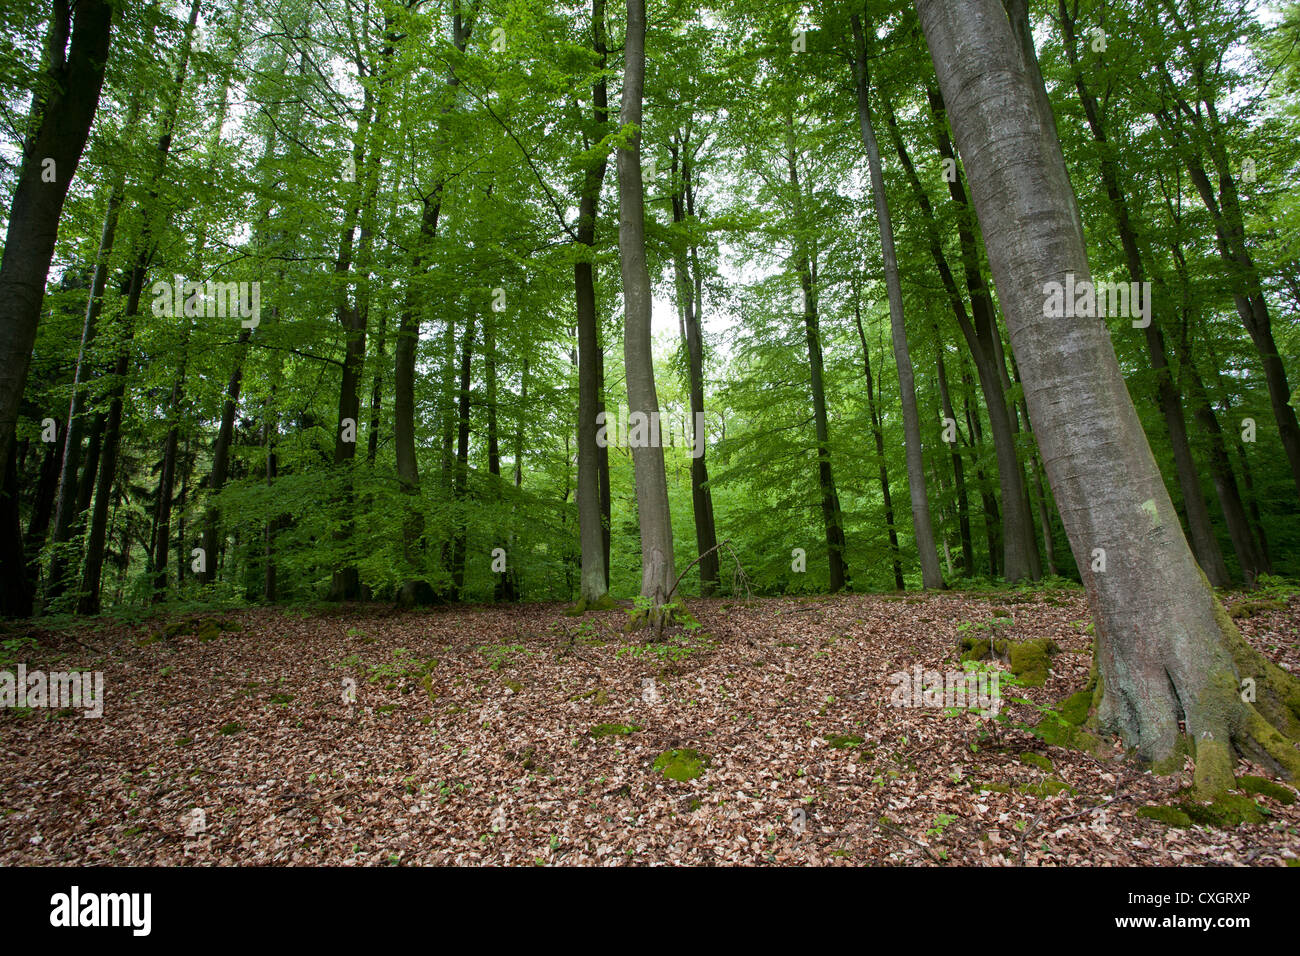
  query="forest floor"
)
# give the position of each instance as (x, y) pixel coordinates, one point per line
(241, 747)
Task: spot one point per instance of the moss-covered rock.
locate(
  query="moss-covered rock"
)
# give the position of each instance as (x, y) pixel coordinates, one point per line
(682, 764)
(1030, 660)
(1037, 760)
(1261, 786)
(843, 741)
(613, 730)
(1169, 816)
(512, 685)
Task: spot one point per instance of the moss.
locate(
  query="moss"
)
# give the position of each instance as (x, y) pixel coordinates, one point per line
(1052, 730)
(177, 628)
(1030, 659)
(512, 685)
(1046, 788)
(1037, 760)
(1175, 761)
(613, 730)
(208, 631)
(1226, 811)
(281, 698)
(385, 708)
(684, 764)
(1248, 609)
(993, 787)
(843, 741)
(1074, 709)
(597, 695)
(1170, 816)
(1261, 786)
(233, 727)
(1213, 776)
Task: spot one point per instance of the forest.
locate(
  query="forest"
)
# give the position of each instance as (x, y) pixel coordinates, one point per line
(650, 431)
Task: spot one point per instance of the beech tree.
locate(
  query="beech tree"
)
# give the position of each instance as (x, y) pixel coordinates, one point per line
(1166, 651)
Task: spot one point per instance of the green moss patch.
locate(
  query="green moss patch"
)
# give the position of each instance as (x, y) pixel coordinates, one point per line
(1030, 660)
(684, 764)
(1266, 788)
(1037, 760)
(613, 730)
(1250, 608)
(843, 741)
(1046, 788)
(1228, 811)
(1169, 816)
(233, 727)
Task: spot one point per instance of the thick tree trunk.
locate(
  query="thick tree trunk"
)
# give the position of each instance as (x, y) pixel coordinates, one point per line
(1166, 651)
(923, 528)
(63, 109)
(657, 561)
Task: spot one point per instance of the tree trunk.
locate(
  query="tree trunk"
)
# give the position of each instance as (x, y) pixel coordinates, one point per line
(878, 435)
(984, 342)
(657, 562)
(1166, 651)
(593, 582)
(931, 576)
(690, 284)
(63, 109)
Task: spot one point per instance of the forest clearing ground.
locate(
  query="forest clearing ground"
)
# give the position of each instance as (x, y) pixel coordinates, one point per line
(487, 756)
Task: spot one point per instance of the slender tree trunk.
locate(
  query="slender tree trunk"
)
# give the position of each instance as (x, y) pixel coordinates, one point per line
(1166, 651)
(878, 435)
(931, 576)
(593, 582)
(657, 562)
(689, 293)
(984, 341)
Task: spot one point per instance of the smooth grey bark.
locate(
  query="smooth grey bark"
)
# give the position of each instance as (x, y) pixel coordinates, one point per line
(1166, 651)
(922, 526)
(657, 562)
